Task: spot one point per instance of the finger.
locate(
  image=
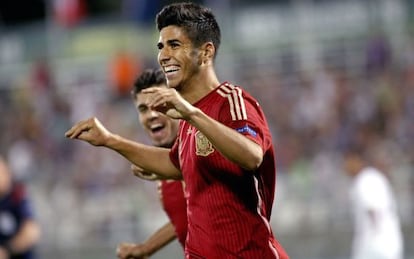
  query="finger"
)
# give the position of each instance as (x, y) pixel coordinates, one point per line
(79, 131)
(80, 126)
(156, 95)
(137, 169)
(174, 114)
(70, 132)
(149, 177)
(123, 250)
(158, 102)
(75, 131)
(150, 90)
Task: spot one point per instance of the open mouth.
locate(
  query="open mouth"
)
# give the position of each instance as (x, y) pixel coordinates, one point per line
(155, 128)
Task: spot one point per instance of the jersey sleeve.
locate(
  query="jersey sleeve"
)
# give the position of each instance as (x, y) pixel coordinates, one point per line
(244, 114)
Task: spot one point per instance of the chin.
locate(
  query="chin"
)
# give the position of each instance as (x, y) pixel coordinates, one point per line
(177, 87)
(173, 84)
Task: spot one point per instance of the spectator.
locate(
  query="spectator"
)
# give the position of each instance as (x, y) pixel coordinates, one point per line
(19, 230)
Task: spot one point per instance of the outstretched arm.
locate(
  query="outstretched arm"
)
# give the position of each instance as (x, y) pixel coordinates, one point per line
(155, 242)
(149, 158)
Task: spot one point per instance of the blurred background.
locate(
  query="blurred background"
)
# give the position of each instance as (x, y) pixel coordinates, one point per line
(327, 73)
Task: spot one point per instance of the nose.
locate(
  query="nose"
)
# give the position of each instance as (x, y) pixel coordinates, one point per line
(148, 115)
(163, 55)
(153, 114)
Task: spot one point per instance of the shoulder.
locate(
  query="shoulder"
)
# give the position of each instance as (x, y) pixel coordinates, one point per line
(371, 174)
(227, 89)
(238, 99)
(371, 178)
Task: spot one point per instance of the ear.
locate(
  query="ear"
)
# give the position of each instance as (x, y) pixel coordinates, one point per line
(207, 52)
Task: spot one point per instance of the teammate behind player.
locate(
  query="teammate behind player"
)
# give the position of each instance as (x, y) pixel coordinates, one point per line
(162, 131)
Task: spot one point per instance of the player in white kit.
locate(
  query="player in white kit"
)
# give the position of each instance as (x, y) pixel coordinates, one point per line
(377, 230)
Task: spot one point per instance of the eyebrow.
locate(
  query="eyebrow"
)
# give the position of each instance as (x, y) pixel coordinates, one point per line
(169, 42)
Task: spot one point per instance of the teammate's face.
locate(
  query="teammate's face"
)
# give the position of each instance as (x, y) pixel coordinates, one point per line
(177, 56)
(161, 129)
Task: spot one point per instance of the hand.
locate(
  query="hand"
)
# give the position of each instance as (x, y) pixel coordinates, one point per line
(91, 131)
(139, 172)
(131, 251)
(169, 102)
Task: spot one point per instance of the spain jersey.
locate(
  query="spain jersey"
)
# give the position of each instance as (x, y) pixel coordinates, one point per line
(228, 207)
(174, 204)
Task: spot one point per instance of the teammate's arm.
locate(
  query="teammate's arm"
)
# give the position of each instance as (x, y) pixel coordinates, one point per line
(155, 242)
(141, 173)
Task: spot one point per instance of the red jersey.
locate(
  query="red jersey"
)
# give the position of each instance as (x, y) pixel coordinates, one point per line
(175, 205)
(228, 207)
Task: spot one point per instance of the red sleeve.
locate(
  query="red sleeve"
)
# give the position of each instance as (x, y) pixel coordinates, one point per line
(246, 116)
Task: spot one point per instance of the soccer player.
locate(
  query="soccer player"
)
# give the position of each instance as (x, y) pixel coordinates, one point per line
(224, 149)
(163, 131)
(19, 230)
(377, 230)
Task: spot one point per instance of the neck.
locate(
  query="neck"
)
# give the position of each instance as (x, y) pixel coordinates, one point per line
(199, 86)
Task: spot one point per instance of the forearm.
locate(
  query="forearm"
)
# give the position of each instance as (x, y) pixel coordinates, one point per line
(233, 145)
(152, 159)
(27, 237)
(160, 238)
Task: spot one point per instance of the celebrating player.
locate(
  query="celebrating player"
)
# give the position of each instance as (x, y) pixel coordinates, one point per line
(224, 150)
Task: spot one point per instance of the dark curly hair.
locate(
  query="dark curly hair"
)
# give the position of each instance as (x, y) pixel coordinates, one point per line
(147, 79)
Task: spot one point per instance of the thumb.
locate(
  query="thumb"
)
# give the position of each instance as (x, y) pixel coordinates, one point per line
(173, 113)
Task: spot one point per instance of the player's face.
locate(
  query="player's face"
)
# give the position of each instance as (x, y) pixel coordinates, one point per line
(177, 57)
(161, 129)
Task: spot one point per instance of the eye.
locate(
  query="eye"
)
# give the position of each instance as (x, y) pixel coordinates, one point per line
(142, 108)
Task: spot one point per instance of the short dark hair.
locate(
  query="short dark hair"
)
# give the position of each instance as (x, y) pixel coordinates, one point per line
(148, 78)
(197, 21)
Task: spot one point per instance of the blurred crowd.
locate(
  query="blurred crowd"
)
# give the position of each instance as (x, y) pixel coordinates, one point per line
(84, 193)
(317, 114)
